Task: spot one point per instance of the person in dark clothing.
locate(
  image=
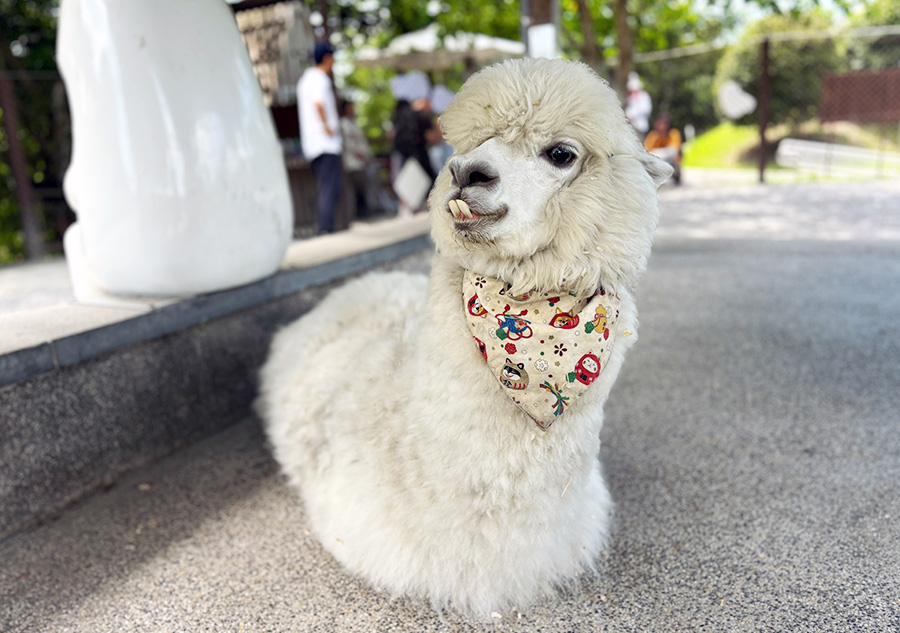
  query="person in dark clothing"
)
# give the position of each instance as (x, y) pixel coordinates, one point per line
(411, 129)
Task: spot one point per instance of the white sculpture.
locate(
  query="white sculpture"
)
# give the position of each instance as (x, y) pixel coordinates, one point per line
(177, 177)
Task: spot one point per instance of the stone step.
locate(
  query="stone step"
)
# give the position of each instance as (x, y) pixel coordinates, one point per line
(86, 406)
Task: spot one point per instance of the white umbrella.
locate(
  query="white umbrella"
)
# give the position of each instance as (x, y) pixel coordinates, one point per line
(425, 50)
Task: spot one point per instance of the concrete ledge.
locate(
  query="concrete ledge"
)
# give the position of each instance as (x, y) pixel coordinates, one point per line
(77, 348)
(80, 411)
(55, 336)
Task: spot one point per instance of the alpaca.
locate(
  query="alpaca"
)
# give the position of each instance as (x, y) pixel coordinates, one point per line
(444, 436)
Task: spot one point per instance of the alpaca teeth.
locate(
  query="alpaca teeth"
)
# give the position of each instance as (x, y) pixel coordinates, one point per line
(460, 209)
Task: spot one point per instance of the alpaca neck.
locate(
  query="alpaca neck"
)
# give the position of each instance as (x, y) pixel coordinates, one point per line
(447, 336)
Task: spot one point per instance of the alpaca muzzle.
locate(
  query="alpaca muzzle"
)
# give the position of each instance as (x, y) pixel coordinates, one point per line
(467, 172)
(472, 219)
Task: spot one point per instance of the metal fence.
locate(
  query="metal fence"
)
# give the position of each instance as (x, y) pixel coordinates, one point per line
(824, 104)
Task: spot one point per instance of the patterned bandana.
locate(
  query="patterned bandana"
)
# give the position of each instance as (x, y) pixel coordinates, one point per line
(545, 350)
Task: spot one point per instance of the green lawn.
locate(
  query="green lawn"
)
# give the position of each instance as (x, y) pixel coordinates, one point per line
(732, 146)
(721, 146)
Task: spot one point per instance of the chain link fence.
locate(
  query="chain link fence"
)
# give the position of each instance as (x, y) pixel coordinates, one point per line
(798, 105)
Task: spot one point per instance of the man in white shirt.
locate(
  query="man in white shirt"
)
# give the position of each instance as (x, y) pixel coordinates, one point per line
(638, 105)
(320, 133)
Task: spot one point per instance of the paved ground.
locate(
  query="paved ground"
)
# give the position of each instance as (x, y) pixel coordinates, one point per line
(751, 446)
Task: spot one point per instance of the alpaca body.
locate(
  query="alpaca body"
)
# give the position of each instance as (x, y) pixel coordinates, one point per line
(416, 467)
(455, 494)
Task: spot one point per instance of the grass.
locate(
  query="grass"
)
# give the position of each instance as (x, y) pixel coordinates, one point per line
(722, 146)
(736, 146)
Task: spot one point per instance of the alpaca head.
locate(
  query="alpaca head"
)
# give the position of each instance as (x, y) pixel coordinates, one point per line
(548, 187)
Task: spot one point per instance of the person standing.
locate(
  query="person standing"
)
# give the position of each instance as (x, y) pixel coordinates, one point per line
(362, 176)
(320, 133)
(638, 105)
(412, 126)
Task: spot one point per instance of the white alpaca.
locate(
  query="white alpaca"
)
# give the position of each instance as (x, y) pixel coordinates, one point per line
(417, 468)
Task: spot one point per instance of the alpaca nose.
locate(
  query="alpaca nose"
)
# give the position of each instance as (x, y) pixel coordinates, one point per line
(472, 173)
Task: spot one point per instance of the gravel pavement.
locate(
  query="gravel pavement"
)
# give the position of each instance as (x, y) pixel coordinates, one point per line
(751, 445)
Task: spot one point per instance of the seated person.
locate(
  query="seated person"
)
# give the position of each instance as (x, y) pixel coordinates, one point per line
(360, 168)
(664, 141)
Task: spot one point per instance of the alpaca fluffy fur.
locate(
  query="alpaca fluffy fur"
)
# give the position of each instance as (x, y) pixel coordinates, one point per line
(415, 468)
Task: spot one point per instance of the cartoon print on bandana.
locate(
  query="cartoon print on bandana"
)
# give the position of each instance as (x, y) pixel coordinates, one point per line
(527, 342)
(514, 376)
(586, 369)
(513, 326)
(564, 320)
(475, 307)
(599, 323)
(481, 347)
(561, 401)
(504, 292)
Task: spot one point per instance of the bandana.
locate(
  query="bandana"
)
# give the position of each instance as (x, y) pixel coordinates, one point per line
(546, 349)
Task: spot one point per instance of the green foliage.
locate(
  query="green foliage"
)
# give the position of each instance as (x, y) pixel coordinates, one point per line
(28, 32)
(796, 65)
(665, 25)
(681, 87)
(684, 88)
(878, 13)
(377, 22)
(655, 25)
(497, 18)
(604, 28)
(881, 52)
(27, 45)
(374, 111)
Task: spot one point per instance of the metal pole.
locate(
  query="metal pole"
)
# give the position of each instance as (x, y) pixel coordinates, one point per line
(537, 13)
(524, 22)
(541, 12)
(765, 91)
(323, 9)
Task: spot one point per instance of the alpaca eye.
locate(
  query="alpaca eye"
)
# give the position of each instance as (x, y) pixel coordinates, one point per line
(560, 155)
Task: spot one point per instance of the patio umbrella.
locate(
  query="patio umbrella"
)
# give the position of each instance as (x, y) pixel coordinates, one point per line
(426, 50)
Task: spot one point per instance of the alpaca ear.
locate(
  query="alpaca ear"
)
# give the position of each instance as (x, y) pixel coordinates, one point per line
(659, 170)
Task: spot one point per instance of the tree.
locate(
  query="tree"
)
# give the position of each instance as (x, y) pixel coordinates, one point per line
(624, 29)
(796, 64)
(378, 21)
(383, 20)
(27, 43)
(880, 52)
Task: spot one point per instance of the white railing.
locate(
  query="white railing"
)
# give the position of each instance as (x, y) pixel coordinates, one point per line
(831, 158)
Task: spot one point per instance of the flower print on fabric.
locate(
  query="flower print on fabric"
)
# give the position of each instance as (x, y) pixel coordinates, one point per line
(544, 349)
